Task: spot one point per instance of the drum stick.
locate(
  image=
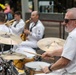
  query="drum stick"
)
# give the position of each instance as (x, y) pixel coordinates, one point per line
(33, 53)
(38, 54)
(41, 68)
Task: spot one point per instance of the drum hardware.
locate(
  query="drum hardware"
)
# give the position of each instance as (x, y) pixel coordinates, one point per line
(9, 68)
(29, 71)
(2, 48)
(49, 44)
(6, 66)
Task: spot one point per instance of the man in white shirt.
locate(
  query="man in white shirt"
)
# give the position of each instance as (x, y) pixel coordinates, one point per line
(35, 32)
(67, 62)
(4, 28)
(18, 26)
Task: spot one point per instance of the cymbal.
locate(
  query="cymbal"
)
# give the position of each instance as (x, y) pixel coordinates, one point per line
(49, 44)
(12, 56)
(8, 38)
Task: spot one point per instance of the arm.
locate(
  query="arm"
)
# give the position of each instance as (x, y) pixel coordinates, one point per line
(61, 63)
(49, 54)
(67, 56)
(19, 27)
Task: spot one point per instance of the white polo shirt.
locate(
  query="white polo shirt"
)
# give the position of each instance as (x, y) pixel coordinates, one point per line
(69, 52)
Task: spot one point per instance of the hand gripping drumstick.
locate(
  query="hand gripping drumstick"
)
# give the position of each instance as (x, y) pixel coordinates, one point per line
(38, 54)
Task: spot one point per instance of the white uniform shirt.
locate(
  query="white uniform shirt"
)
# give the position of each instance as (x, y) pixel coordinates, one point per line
(18, 29)
(37, 31)
(69, 52)
(4, 28)
(36, 34)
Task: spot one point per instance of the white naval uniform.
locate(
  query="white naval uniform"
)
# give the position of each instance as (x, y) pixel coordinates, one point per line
(17, 28)
(35, 35)
(4, 28)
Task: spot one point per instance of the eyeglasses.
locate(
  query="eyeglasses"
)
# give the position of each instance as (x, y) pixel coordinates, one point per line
(67, 20)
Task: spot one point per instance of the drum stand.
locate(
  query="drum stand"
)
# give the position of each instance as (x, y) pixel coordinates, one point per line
(10, 69)
(7, 68)
(2, 48)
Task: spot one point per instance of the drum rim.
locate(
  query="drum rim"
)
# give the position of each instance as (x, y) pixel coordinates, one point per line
(36, 63)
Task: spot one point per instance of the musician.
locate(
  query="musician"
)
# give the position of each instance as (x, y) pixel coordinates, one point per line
(67, 62)
(3, 27)
(18, 25)
(35, 32)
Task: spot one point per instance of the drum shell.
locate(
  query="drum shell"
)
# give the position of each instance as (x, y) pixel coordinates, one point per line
(21, 63)
(30, 71)
(35, 67)
(30, 57)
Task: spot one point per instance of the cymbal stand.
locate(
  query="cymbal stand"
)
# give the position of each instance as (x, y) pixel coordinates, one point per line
(8, 68)
(10, 50)
(2, 48)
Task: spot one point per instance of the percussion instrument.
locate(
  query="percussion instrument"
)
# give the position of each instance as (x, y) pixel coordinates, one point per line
(32, 68)
(12, 56)
(49, 44)
(10, 39)
(20, 63)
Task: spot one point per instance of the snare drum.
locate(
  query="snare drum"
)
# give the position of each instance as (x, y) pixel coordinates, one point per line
(32, 68)
(20, 63)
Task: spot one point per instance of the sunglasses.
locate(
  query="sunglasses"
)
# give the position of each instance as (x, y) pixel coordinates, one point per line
(67, 20)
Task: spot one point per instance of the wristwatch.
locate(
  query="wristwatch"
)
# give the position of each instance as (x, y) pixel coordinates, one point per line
(50, 68)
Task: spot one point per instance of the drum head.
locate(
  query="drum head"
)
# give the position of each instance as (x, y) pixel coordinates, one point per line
(37, 66)
(22, 51)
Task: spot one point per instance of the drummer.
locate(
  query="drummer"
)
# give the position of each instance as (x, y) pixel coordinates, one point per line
(67, 62)
(35, 32)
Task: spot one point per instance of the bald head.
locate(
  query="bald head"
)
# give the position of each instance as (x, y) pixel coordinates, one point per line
(34, 16)
(35, 12)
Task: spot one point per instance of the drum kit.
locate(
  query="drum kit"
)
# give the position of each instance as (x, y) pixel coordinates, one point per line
(31, 68)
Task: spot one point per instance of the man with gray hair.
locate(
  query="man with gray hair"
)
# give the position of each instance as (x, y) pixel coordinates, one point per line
(67, 62)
